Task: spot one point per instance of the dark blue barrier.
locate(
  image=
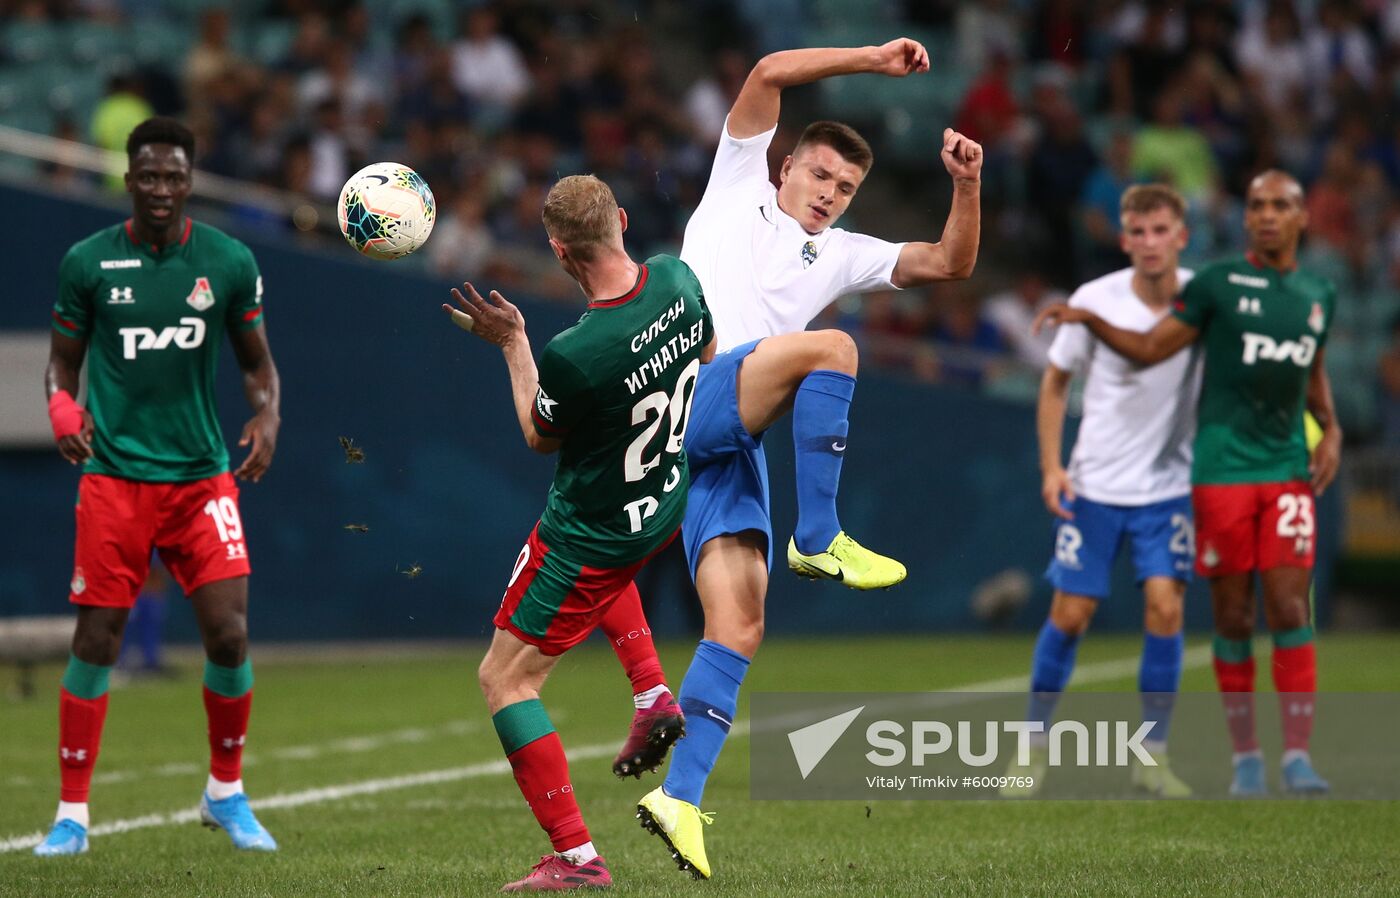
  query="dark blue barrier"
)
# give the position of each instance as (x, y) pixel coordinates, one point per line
(943, 479)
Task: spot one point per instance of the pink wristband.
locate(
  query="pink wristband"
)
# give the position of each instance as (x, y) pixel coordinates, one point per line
(65, 415)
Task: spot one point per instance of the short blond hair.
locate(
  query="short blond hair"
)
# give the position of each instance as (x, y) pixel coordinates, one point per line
(581, 213)
(1142, 198)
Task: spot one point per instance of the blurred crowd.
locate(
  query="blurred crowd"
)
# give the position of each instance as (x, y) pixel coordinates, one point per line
(1073, 100)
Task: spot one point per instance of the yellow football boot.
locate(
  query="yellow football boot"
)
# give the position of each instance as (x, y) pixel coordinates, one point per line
(1159, 780)
(678, 823)
(848, 563)
(1025, 782)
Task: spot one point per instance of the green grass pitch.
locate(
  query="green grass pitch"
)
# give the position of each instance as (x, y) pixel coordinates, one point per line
(379, 726)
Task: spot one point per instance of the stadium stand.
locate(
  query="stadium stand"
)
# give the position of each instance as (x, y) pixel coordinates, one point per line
(293, 94)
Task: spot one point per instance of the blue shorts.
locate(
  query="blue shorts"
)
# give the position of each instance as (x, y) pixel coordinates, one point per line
(1160, 536)
(728, 471)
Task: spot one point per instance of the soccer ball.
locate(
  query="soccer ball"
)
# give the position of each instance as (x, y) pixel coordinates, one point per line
(386, 210)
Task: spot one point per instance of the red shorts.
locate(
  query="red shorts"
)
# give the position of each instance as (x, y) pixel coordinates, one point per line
(1243, 527)
(553, 603)
(195, 526)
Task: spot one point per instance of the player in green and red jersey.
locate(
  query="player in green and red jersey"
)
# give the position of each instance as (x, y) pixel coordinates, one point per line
(612, 395)
(1263, 324)
(147, 303)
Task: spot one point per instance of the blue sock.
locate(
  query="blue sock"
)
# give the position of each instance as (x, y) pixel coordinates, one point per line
(709, 696)
(1158, 679)
(819, 427)
(1051, 666)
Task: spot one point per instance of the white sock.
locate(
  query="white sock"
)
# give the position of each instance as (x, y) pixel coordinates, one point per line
(77, 811)
(1154, 747)
(644, 700)
(1293, 754)
(580, 855)
(219, 790)
(1239, 756)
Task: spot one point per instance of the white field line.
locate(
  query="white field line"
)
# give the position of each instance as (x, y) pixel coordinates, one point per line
(347, 745)
(1087, 674)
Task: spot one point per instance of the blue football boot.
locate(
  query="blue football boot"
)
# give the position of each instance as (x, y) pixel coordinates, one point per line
(66, 837)
(1249, 778)
(1300, 778)
(234, 816)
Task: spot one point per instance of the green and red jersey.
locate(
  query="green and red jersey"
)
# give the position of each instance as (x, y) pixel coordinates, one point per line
(617, 387)
(1261, 329)
(153, 321)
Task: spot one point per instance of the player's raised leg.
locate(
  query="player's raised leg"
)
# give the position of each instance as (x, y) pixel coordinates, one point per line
(812, 374)
(221, 608)
(731, 576)
(511, 676)
(82, 710)
(1288, 612)
(1159, 676)
(657, 722)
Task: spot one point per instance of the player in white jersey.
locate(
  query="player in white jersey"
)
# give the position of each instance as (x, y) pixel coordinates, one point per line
(769, 260)
(1128, 483)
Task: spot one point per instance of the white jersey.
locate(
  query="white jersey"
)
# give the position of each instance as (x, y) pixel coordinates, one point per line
(1134, 445)
(761, 272)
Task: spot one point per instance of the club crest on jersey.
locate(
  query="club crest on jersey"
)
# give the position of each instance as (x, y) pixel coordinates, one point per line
(1317, 320)
(79, 585)
(809, 253)
(202, 296)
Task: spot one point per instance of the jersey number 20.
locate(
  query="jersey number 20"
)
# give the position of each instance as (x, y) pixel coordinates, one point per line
(654, 410)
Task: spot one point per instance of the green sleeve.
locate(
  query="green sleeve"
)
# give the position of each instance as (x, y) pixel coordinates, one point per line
(705, 316)
(563, 397)
(245, 312)
(1194, 305)
(72, 313)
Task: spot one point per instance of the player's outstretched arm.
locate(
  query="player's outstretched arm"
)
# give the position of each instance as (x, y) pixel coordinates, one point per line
(954, 256)
(1169, 337)
(1050, 428)
(500, 323)
(72, 425)
(263, 388)
(1327, 457)
(756, 108)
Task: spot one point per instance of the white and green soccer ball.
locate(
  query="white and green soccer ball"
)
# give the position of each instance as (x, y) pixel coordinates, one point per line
(386, 210)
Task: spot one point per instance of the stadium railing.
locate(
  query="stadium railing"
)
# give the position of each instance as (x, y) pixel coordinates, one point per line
(23, 153)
